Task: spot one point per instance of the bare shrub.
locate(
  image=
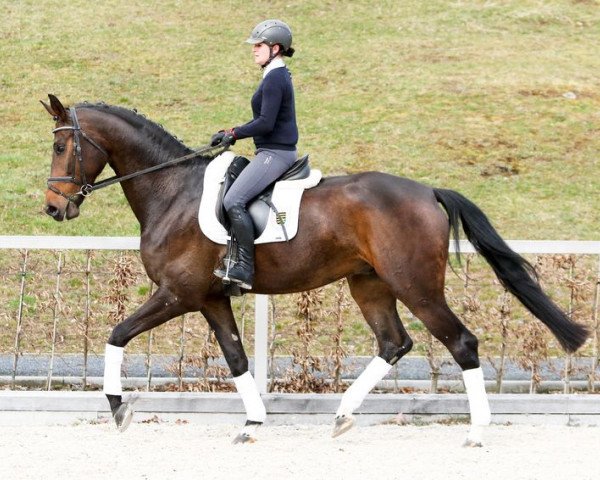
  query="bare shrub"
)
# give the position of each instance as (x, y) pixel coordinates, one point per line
(123, 278)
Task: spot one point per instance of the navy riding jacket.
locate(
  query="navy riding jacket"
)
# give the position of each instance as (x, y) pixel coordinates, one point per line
(273, 107)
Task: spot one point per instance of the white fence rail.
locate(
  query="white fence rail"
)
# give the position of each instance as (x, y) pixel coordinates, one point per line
(261, 301)
(547, 247)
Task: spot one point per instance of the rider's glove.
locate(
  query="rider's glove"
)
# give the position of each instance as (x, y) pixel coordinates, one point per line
(224, 138)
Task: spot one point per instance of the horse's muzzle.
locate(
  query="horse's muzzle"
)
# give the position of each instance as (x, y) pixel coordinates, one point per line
(70, 211)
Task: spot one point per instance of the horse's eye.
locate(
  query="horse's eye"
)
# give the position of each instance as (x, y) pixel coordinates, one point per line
(59, 148)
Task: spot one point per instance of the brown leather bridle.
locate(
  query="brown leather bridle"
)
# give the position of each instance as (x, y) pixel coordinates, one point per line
(85, 187)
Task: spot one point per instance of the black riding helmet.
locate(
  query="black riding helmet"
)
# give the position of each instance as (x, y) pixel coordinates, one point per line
(273, 32)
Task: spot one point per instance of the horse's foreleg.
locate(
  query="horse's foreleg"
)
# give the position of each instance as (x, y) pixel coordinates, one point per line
(161, 307)
(378, 306)
(220, 317)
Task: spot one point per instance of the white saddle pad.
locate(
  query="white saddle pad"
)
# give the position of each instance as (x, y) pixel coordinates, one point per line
(286, 198)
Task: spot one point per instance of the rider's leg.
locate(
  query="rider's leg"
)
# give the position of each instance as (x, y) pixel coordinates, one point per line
(266, 168)
(242, 228)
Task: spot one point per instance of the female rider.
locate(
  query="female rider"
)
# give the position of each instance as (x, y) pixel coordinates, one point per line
(275, 135)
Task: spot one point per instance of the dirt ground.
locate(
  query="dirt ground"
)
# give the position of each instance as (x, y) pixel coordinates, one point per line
(179, 450)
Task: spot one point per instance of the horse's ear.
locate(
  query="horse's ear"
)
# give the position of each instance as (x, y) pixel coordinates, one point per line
(47, 107)
(55, 108)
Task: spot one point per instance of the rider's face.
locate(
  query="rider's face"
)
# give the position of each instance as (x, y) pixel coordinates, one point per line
(261, 53)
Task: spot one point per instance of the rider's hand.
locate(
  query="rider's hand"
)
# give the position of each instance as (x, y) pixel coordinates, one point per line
(228, 138)
(217, 138)
(224, 138)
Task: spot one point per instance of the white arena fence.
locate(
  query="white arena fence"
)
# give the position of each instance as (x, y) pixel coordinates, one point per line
(17, 253)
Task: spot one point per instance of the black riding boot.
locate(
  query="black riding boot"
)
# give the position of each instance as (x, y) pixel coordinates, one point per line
(242, 229)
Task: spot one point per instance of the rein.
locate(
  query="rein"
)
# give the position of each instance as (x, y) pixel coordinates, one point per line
(87, 188)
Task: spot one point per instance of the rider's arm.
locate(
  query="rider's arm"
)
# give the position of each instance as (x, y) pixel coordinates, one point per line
(272, 94)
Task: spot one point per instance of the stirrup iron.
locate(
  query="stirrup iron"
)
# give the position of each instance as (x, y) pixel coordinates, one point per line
(228, 262)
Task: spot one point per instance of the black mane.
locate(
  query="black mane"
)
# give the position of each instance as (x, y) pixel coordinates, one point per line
(163, 143)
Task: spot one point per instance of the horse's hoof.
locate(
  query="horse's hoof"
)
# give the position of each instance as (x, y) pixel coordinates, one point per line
(472, 443)
(342, 425)
(475, 436)
(243, 438)
(123, 416)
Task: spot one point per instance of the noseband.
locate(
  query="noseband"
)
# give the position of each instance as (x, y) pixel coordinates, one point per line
(85, 187)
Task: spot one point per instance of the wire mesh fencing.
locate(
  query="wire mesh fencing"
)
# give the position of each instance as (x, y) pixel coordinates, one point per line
(60, 306)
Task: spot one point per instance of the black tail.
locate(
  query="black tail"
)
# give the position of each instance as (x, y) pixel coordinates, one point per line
(514, 272)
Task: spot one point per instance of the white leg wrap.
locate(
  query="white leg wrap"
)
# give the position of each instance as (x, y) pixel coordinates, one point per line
(113, 358)
(246, 387)
(478, 401)
(354, 396)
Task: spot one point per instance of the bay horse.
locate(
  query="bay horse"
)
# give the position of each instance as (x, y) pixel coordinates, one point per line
(386, 235)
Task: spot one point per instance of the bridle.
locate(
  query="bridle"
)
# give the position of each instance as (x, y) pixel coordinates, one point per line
(86, 188)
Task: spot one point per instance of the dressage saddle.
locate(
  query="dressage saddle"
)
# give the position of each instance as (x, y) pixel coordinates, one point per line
(259, 206)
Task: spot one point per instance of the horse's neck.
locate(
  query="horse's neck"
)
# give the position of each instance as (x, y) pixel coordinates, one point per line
(157, 195)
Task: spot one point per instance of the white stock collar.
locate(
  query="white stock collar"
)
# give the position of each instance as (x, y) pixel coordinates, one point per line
(275, 63)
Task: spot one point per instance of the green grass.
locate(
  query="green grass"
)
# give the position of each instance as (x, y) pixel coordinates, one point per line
(462, 95)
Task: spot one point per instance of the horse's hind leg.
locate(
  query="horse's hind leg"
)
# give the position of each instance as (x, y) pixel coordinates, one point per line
(378, 305)
(434, 312)
(220, 317)
(416, 274)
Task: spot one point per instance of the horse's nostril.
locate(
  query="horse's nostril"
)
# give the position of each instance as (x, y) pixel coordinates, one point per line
(52, 211)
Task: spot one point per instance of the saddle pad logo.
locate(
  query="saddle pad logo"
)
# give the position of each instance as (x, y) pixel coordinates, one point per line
(280, 218)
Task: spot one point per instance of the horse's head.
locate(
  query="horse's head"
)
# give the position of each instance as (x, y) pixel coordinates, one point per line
(77, 159)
